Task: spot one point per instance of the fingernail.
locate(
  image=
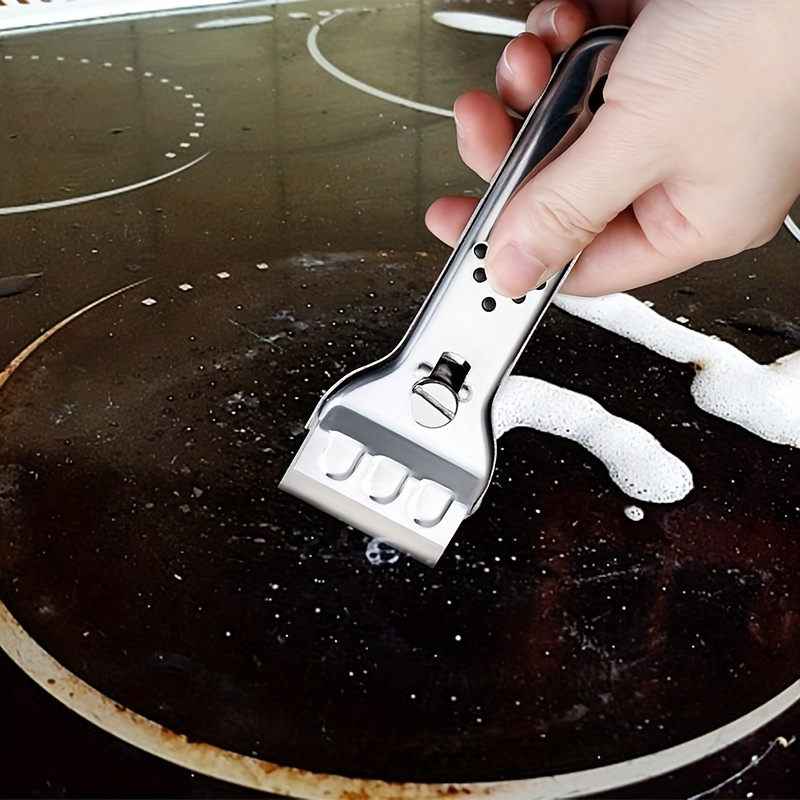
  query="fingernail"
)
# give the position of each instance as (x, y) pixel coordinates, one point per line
(504, 67)
(459, 128)
(547, 24)
(514, 272)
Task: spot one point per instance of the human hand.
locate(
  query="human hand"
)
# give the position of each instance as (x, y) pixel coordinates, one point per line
(694, 156)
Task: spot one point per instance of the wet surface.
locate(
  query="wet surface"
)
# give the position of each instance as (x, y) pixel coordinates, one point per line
(143, 541)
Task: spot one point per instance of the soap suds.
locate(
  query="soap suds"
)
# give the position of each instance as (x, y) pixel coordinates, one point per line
(380, 552)
(635, 459)
(763, 399)
(634, 513)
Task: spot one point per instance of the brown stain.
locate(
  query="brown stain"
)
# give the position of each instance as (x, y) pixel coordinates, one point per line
(267, 768)
(355, 795)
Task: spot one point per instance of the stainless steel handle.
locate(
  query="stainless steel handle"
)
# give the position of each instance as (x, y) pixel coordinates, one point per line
(462, 318)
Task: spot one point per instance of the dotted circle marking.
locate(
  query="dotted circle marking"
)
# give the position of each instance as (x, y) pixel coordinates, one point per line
(189, 140)
(194, 104)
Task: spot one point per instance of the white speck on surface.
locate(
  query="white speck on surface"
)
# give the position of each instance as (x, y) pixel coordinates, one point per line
(186, 287)
(634, 513)
(682, 320)
(223, 275)
(149, 301)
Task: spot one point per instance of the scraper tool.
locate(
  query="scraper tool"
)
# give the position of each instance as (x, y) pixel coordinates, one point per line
(403, 449)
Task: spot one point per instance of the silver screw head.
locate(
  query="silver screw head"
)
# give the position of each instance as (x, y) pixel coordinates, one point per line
(433, 404)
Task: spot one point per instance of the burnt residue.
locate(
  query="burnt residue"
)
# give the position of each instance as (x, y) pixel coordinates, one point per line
(11, 285)
(764, 322)
(146, 542)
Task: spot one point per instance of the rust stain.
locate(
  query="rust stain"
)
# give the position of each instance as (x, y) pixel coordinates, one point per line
(267, 767)
(361, 794)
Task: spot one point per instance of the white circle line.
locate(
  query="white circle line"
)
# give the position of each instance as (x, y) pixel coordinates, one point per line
(313, 49)
(15, 362)
(248, 771)
(793, 227)
(88, 198)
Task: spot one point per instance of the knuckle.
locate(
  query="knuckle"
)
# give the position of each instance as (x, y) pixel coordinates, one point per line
(556, 214)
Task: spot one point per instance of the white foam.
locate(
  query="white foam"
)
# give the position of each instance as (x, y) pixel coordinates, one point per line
(380, 552)
(762, 398)
(635, 459)
(634, 513)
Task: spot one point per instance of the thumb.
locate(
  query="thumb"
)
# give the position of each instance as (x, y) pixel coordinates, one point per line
(559, 211)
